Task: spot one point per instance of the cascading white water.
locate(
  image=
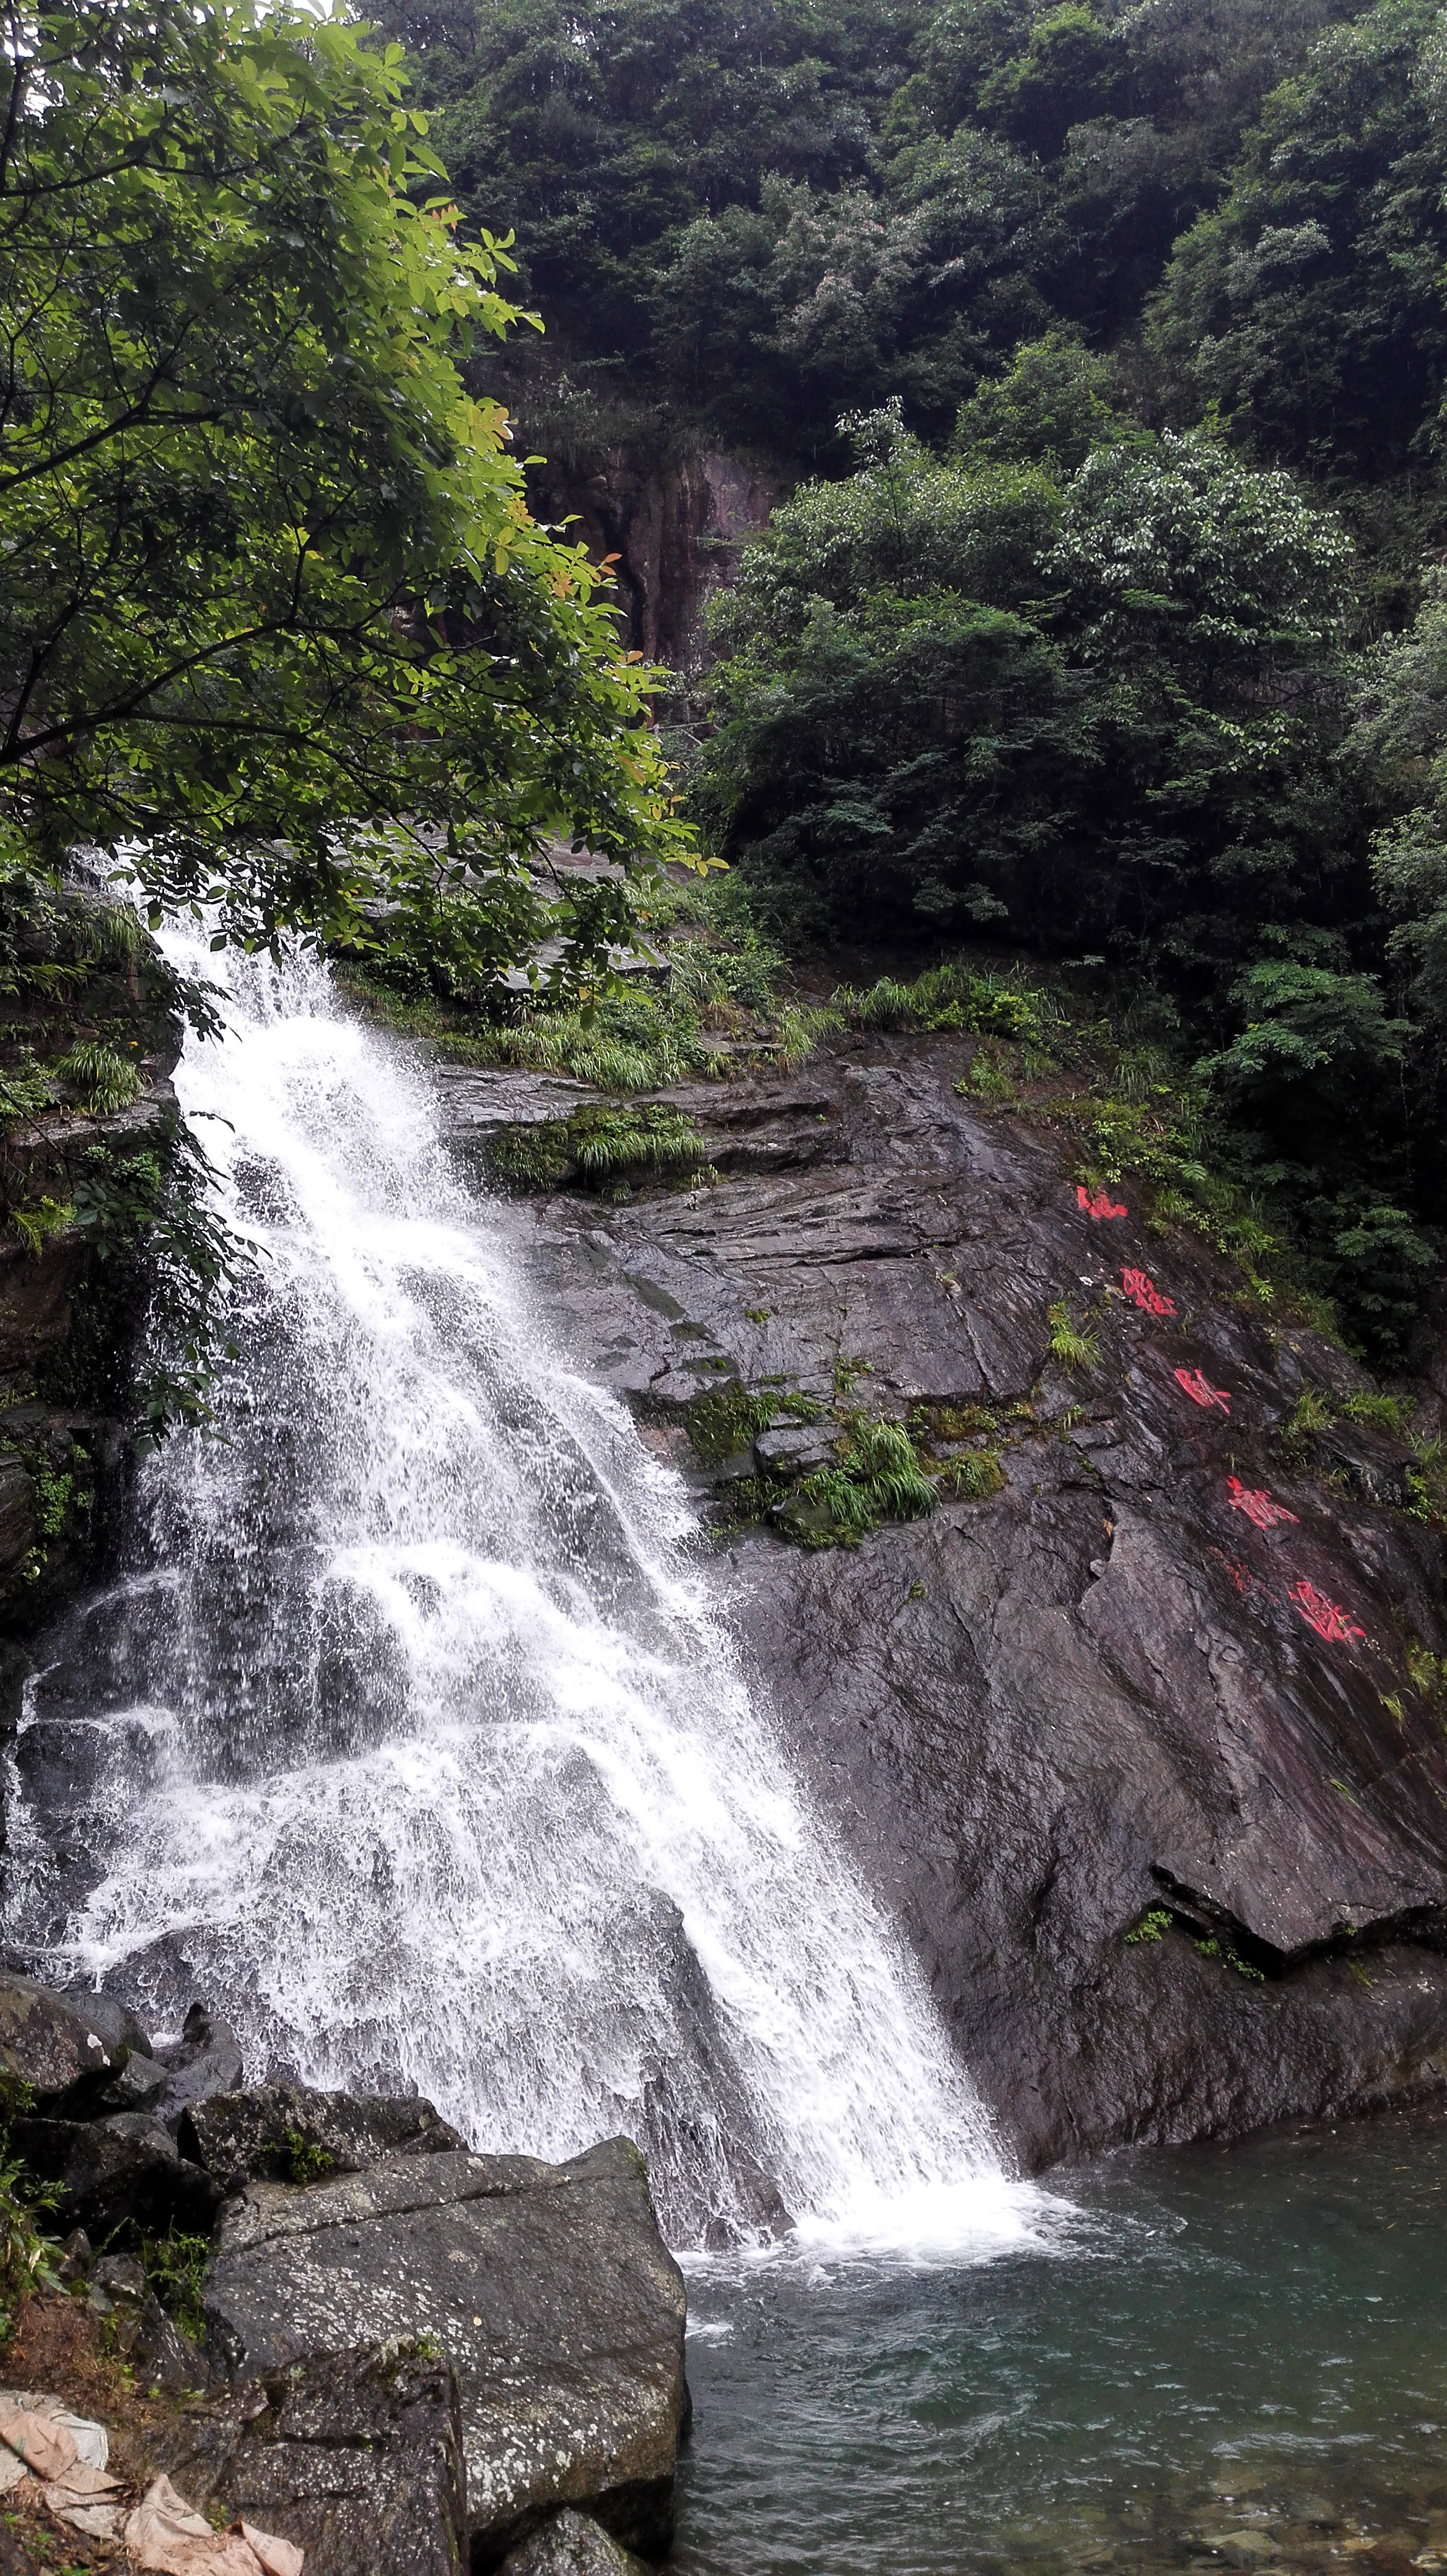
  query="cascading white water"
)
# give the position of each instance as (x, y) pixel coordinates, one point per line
(413, 1736)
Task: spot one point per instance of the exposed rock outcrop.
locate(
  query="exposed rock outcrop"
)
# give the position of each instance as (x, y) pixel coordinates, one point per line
(672, 526)
(1144, 1746)
(548, 2286)
(355, 2455)
(286, 2132)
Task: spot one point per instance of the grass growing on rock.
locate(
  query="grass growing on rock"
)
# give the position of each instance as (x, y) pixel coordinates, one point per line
(716, 999)
(1069, 1346)
(974, 1477)
(723, 1425)
(596, 1146)
(878, 1477)
(173, 2265)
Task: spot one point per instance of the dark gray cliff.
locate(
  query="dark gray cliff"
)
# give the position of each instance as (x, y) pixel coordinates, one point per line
(1145, 1748)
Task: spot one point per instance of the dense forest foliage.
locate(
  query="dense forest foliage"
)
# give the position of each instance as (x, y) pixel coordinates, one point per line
(1094, 351)
(1099, 351)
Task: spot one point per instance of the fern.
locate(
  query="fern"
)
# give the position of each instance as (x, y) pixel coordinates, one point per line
(101, 1080)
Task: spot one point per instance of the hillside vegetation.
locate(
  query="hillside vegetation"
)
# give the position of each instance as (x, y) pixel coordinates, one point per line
(1099, 353)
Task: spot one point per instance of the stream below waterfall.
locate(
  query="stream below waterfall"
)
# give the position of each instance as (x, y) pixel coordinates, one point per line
(408, 1729)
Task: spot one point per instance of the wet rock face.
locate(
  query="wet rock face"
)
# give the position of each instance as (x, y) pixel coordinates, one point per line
(548, 2286)
(1132, 1745)
(675, 529)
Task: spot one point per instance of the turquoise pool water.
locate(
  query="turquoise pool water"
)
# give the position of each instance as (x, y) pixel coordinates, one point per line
(1229, 2358)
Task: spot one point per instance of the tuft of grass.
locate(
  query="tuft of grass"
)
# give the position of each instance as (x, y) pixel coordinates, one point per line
(99, 1078)
(304, 2160)
(721, 1426)
(659, 1140)
(878, 1478)
(595, 1146)
(1426, 1672)
(1309, 1417)
(1070, 1348)
(1153, 1926)
(973, 1478)
(955, 996)
(173, 2265)
(1389, 1413)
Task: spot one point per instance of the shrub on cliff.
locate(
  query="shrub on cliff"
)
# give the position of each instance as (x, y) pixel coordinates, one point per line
(1097, 709)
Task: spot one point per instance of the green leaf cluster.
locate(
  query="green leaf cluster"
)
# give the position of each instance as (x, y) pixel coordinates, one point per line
(278, 631)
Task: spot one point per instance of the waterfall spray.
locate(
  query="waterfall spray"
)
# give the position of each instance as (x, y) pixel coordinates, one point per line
(412, 1732)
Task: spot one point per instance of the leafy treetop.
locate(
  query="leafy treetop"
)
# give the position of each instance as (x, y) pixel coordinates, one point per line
(278, 629)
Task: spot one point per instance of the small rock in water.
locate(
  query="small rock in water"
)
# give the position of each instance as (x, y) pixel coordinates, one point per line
(572, 2544)
(1243, 2548)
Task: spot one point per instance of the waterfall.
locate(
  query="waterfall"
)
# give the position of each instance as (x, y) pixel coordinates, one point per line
(411, 1732)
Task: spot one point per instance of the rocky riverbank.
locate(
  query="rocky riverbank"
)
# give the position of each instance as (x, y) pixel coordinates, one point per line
(385, 2350)
(1139, 1729)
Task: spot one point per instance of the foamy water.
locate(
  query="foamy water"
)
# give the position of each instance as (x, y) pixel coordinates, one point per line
(415, 1738)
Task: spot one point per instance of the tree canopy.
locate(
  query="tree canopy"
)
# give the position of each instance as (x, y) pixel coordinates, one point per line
(278, 628)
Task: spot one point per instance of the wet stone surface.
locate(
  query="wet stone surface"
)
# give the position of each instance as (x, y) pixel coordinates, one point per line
(1130, 1746)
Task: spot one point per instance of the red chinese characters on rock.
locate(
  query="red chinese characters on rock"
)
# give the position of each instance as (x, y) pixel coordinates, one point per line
(1258, 1507)
(1326, 1617)
(1144, 1293)
(1097, 1203)
(1200, 1390)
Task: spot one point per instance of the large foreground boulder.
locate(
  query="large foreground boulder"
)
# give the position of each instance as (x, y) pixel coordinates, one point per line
(356, 2456)
(548, 2286)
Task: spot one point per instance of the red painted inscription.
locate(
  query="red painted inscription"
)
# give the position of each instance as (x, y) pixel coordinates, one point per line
(1200, 1390)
(1326, 1617)
(1144, 1293)
(1257, 1507)
(1097, 1203)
